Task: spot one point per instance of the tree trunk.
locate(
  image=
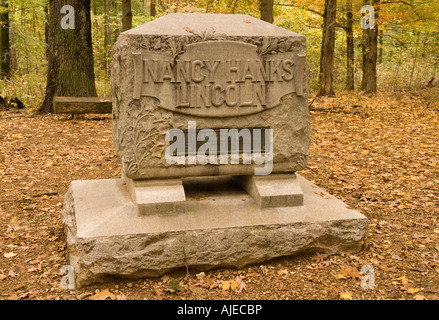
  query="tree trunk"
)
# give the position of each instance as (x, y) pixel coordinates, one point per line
(370, 53)
(70, 56)
(127, 15)
(46, 23)
(327, 49)
(350, 58)
(150, 7)
(380, 46)
(5, 53)
(153, 8)
(107, 37)
(114, 10)
(13, 51)
(145, 7)
(267, 10)
(25, 57)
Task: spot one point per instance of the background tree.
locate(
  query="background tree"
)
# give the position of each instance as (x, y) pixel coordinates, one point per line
(345, 24)
(107, 37)
(150, 7)
(267, 10)
(5, 54)
(350, 50)
(69, 53)
(370, 51)
(127, 15)
(327, 49)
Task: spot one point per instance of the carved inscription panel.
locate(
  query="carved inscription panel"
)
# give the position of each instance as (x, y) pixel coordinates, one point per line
(218, 78)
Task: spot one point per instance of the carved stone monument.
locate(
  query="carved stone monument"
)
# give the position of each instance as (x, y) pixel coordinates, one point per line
(211, 124)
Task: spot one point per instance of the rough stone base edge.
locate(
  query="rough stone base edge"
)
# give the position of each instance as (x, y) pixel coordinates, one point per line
(149, 255)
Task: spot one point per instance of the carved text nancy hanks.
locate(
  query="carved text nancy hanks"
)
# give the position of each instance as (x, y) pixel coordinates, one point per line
(237, 92)
(227, 76)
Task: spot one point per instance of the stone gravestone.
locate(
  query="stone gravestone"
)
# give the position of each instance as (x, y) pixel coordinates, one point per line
(211, 124)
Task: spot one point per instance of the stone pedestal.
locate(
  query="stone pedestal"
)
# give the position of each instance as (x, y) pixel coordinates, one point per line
(223, 226)
(274, 190)
(165, 196)
(202, 105)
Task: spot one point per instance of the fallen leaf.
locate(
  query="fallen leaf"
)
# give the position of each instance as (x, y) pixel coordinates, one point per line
(210, 283)
(25, 295)
(387, 269)
(395, 257)
(281, 272)
(173, 285)
(319, 257)
(419, 269)
(196, 290)
(346, 295)
(2, 276)
(12, 274)
(103, 295)
(224, 292)
(328, 262)
(241, 284)
(231, 284)
(348, 271)
(362, 261)
(420, 297)
(9, 255)
(413, 290)
(401, 280)
(83, 295)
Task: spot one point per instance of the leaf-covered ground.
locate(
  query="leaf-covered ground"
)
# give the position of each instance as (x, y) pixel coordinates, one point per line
(378, 154)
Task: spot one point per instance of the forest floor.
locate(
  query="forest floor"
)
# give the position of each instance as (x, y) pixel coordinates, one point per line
(378, 154)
